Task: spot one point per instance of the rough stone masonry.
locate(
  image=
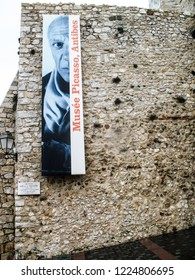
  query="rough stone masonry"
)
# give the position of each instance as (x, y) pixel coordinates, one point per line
(7, 169)
(138, 87)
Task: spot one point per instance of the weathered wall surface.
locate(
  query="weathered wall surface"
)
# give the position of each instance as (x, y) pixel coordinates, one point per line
(186, 6)
(138, 86)
(7, 163)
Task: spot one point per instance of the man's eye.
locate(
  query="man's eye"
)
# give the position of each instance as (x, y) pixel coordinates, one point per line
(58, 45)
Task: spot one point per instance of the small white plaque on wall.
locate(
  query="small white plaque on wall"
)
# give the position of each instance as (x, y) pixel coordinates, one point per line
(29, 188)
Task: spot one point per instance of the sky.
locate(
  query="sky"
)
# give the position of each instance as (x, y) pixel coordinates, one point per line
(10, 32)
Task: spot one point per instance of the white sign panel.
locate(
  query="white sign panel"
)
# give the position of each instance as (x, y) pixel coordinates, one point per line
(29, 188)
(76, 100)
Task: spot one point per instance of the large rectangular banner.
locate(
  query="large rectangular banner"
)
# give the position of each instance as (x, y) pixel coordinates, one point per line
(62, 103)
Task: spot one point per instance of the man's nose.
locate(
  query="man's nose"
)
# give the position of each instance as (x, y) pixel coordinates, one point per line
(66, 51)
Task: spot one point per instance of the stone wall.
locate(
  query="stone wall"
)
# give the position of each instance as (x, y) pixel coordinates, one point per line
(138, 86)
(7, 167)
(186, 6)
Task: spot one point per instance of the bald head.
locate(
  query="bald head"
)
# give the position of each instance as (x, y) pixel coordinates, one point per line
(58, 36)
(61, 22)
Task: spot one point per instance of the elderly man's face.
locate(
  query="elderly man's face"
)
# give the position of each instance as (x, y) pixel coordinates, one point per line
(58, 35)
